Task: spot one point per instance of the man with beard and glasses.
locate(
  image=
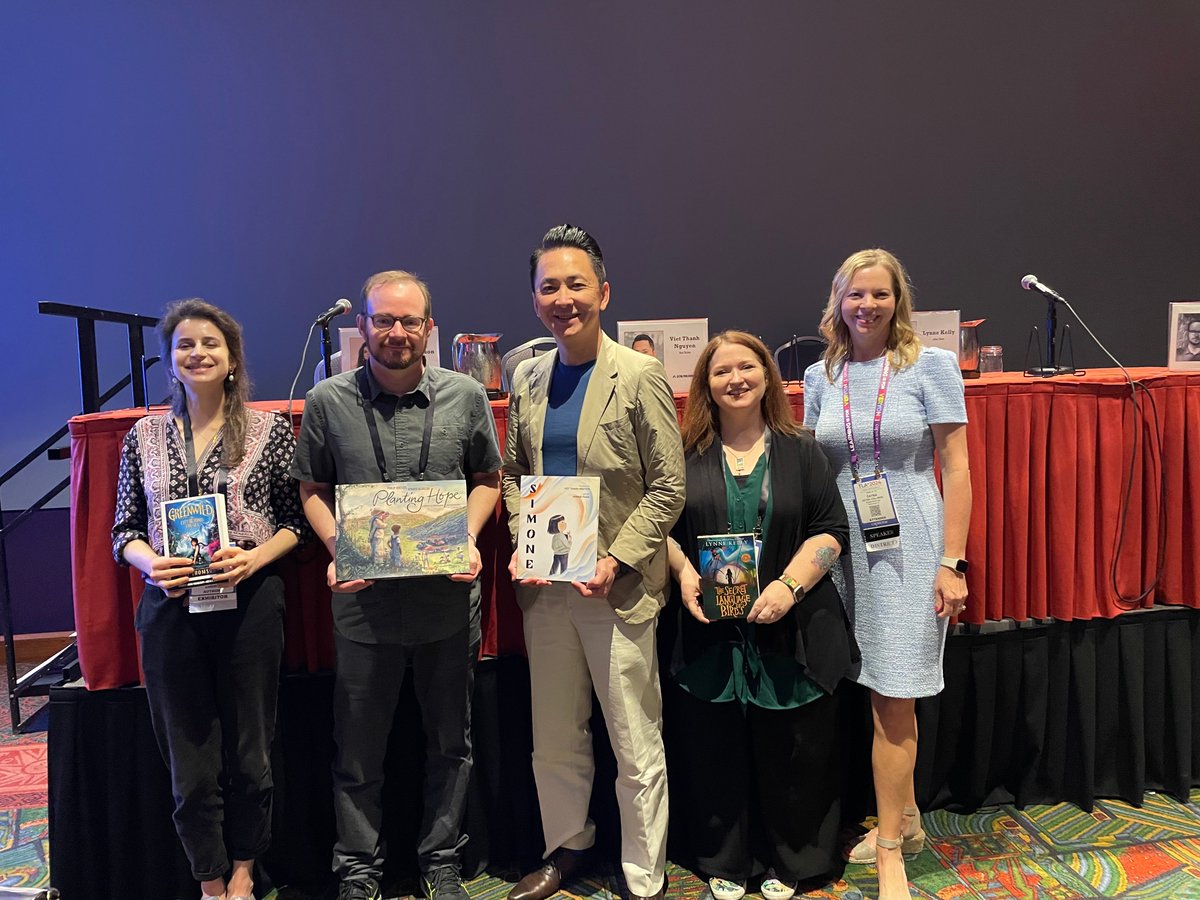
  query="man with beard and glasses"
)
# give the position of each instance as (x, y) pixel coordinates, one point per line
(396, 419)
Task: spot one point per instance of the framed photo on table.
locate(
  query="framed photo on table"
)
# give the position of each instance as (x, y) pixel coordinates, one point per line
(1183, 337)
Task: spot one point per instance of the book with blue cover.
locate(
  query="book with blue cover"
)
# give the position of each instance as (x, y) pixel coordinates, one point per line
(401, 529)
(195, 528)
(728, 574)
(558, 527)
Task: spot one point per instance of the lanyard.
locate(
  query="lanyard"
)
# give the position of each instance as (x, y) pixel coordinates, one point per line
(884, 377)
(763, 493)
(193, 471)
(373, 427)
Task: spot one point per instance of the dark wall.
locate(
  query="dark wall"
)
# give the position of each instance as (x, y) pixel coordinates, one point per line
(39, 572)
(728, 156)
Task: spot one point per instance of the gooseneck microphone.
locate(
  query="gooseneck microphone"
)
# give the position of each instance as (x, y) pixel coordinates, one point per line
(340, 308)
(1031, 283)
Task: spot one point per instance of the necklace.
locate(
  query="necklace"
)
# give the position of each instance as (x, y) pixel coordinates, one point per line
(739, 459)
(739, 462)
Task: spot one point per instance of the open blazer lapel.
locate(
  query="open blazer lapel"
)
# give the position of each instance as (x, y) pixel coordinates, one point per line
(600, 391)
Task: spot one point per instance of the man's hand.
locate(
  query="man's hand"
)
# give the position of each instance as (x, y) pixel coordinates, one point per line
(512, 573)
(476, 563)
(345, 587)
(598, 586)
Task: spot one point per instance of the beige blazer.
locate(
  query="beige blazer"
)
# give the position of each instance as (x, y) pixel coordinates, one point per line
(629, 437)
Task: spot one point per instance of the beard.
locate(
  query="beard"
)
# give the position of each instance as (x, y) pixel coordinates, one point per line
(397, 358)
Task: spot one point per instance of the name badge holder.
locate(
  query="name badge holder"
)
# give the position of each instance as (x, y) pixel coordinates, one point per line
(217, 596)
(872, 494)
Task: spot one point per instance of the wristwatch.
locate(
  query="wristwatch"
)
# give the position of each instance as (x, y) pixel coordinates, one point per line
(792, 585)
(958, 565)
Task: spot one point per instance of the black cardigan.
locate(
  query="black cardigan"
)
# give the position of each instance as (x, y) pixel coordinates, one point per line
(804, 501)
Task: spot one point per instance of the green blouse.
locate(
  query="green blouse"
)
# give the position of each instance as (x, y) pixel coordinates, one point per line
(733, 669)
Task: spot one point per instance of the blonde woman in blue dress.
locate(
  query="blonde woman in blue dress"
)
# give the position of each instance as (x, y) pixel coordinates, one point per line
(881, 405)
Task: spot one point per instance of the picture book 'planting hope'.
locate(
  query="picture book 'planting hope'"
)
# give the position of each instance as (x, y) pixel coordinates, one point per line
(401, 529)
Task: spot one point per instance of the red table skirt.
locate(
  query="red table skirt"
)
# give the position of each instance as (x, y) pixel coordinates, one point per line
(1049, 464)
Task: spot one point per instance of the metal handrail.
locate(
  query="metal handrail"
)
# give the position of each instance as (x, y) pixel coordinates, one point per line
(85, 320)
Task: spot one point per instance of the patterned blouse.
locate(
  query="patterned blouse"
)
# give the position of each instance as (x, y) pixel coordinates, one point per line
(260, 496)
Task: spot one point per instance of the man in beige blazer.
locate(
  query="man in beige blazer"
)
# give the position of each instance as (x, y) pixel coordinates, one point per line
(595, 408)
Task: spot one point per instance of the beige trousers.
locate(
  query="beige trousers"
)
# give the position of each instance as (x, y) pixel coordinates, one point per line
(576, 643)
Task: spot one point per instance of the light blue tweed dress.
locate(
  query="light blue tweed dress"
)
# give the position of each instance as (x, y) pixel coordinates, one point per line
(889, 595)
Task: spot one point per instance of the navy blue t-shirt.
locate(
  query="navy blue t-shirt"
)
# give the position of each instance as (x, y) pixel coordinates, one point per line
(568, 385)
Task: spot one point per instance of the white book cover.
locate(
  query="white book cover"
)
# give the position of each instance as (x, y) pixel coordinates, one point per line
(558, 534)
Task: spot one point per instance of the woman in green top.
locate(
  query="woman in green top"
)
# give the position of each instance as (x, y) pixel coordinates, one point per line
(759, 772)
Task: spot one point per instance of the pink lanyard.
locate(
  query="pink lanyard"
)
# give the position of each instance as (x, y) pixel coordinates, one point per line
(884, 377)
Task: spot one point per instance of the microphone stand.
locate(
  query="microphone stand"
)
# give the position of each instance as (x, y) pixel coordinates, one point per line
(1052, 366)
(326, 348)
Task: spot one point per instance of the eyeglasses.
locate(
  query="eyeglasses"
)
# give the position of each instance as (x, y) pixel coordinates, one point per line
(411, 324)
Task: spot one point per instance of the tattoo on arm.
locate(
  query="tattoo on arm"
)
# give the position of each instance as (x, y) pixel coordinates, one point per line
(824, 558)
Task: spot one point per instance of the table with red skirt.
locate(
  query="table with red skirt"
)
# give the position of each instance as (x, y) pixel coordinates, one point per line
(1050, 470)
(1053, 690)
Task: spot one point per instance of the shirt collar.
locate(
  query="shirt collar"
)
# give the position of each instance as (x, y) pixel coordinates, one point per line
(420, 392)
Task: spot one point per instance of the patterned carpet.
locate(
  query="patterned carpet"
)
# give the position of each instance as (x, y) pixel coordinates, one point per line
(24, 824)
(1043, 852)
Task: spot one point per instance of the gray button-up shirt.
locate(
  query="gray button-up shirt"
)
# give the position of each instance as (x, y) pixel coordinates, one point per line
(335, 447)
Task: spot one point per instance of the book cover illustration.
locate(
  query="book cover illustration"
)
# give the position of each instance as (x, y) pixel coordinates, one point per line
(728, 574)
(558, 527)
(194, 528)
(401, 529)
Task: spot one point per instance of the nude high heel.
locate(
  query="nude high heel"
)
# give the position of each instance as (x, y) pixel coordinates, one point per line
(911, 842)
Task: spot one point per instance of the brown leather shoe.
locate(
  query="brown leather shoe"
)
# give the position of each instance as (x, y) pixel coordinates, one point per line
(545, 882)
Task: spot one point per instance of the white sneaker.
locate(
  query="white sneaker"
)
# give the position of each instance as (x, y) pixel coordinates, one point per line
(723, 889)
(773, 888)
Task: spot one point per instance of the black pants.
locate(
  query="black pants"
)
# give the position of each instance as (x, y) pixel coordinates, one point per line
(366, 691)
(212, 680)
(758, 788)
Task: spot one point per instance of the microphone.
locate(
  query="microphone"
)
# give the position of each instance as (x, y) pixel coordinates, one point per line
(1031, 283)
(344, 306)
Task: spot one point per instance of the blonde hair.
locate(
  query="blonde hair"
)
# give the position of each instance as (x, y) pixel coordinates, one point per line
(903, 344)
(701, 422)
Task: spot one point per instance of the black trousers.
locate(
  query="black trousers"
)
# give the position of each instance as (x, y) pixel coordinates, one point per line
(755, 788)
(365, 694)
(212, 681)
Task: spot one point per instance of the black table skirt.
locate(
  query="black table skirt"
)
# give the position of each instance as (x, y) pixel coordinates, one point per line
(1041, 714)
